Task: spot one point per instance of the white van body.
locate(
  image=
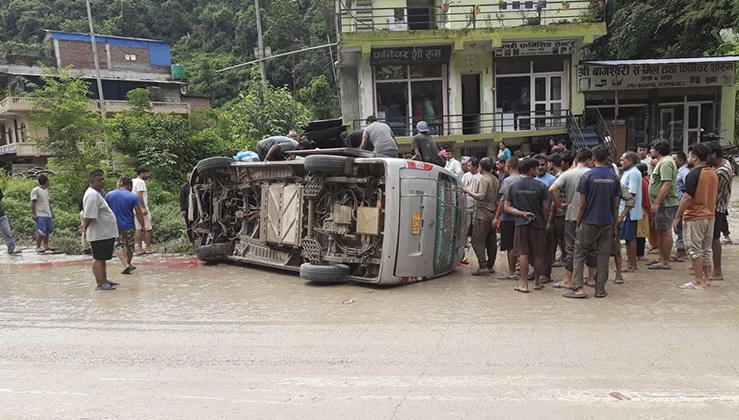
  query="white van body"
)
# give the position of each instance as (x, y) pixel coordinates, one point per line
(333, 215)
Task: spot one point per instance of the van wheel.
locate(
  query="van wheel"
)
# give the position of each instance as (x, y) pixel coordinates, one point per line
(214, 253)
(326, 163)
(211, 164)
(324, 273)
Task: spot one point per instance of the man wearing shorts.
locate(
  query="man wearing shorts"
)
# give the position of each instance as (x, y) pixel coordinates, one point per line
(697, 210)
(631, 179)
(663, 196)
(124, 204)
(567, 184)
(506, 222)
(725, 174)
(143, 232)
(42, 214)
(597, 213)
(101, 229)
(528, 200)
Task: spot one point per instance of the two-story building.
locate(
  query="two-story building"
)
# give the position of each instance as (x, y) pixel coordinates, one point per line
(125, 64)
(510, 70)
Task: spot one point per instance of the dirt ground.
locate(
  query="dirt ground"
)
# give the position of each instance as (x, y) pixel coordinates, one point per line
(182, 340)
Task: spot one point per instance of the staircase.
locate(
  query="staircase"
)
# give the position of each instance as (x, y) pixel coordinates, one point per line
(590, 130)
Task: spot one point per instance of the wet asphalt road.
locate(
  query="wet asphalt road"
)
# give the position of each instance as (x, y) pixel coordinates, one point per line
(181, 340)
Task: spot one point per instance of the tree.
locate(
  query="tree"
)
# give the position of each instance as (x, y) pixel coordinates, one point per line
(320, 99)
(253, 117)
(61, 106)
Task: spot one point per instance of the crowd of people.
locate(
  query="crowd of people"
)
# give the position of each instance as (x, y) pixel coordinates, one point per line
(584, 205)
(116, 222)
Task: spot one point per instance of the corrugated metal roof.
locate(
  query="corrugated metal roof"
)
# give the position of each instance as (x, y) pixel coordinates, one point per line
(651, 62)
(86, 36)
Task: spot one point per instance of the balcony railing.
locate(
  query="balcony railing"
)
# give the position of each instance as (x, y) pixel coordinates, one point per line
(22, 149)
(470, 15)
(486, 123)
(22, 104)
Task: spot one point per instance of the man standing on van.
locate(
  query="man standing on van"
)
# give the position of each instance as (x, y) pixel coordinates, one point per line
(484, 238)
(424, 147)
(42, 214)
(381, 136)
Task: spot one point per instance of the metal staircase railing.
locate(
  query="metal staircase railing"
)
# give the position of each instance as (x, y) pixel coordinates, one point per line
(574, 131)
(594, 115)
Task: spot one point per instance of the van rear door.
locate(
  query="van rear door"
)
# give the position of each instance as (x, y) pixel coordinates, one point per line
(428, 224)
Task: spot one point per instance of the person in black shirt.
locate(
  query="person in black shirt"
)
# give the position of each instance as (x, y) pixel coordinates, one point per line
(424, 147)
(354, 139)
(185, 204)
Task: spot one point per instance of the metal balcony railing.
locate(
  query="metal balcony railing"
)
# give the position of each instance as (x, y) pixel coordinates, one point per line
(484, 123)
(467, 14)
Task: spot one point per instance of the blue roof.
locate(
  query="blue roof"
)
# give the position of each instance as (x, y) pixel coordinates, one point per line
(159, 52)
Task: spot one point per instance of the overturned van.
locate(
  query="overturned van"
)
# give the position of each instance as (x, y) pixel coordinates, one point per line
(333, 215)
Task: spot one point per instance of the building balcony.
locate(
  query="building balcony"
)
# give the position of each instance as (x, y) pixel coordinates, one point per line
(13, 105)
(466, 14)
(22, 150)
(482, 126)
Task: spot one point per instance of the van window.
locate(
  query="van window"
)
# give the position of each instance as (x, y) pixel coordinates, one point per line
(446, 224)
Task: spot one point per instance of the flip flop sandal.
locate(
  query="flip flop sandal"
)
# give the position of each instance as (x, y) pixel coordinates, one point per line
(572, 295)
(558, 285)
(508, 277)
(519, 290)
(690, 286)
(112, 283)
(601, 295)
(588, 284)
(717, 278)
(545, 281)
(618, 280)
(676, 259)
(658, 267)
(538, 287)
(127, 270)
(480, 273)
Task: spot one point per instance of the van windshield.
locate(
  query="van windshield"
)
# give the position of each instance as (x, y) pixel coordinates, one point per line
(447, 220)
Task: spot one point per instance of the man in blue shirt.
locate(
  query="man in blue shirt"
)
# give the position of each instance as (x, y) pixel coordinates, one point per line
(124, 204)
(632, 180)
(682, 163)
(597, 212)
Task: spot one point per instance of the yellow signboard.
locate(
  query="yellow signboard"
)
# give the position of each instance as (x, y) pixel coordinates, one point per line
(416, 224)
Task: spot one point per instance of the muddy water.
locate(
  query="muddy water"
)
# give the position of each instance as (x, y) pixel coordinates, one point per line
(181, 340)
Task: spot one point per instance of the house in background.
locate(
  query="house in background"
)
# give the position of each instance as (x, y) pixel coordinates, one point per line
(510, 70)
(125, 64)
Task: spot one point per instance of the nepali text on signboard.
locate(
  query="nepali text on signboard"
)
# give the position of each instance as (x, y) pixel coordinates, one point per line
(654, 76)
(410, 55)
(532, 48)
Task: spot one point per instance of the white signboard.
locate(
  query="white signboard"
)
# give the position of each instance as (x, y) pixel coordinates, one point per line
(654, 76)
(531, 48)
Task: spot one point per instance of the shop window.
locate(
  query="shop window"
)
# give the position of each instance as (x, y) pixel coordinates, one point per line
(406, 94)
(544, 66)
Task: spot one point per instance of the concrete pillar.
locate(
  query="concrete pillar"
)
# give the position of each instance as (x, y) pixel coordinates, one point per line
(728, 114)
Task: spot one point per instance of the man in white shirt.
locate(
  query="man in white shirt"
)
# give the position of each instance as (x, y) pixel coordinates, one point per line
(453, 165)
(101, 229)
(42, 214)
(470, 180)
(139, 187)
(643, 151)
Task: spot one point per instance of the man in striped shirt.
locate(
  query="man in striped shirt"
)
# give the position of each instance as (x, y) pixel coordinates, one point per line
(725, 175)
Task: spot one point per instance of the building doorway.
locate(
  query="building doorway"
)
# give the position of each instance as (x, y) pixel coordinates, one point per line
(471, 103)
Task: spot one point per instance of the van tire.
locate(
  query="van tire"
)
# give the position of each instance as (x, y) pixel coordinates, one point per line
(324, 273)
(214, 253)
(326, 163)
(211, 164)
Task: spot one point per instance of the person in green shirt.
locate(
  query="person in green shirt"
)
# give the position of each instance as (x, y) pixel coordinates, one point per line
(663, 196)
